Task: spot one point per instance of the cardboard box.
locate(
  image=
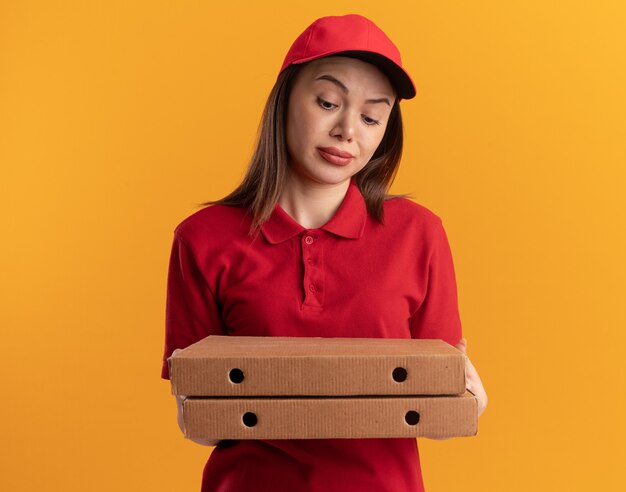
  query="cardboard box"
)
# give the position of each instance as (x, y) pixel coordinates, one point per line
(331, 418)
(308, 366)
(322, 388)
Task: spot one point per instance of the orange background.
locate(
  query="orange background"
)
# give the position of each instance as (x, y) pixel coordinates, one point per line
(117, 117)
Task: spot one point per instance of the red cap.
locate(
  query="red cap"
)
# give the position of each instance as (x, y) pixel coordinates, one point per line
(355, 36)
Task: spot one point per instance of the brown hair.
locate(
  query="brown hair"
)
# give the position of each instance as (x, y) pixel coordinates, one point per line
(264, 180)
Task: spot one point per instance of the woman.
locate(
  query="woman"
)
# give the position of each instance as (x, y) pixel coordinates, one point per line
(310, 245)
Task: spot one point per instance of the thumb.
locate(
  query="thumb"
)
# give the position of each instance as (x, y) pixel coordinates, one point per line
(462, 345)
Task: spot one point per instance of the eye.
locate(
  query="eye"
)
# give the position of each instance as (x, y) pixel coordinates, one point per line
(321, 102)
(324, 105)
(370, 122)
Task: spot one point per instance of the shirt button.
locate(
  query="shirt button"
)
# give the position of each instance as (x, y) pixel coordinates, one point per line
(308, 239)
(312, 287)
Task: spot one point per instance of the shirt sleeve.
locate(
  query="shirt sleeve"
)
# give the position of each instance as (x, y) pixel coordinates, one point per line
(438, 314)
(192, 312)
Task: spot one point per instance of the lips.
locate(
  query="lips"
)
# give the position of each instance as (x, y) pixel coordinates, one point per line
(335, 156)
(336, 151)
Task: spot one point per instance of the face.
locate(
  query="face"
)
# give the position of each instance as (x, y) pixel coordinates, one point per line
(338, 105)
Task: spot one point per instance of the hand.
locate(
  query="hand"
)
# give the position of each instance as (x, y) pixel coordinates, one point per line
(204, 442)
(179, 402)
(472, 379)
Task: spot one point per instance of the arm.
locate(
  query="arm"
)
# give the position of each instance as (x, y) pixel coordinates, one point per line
(192, 312)
(438, 315)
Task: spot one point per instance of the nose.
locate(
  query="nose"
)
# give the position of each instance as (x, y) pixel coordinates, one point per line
(344, 127)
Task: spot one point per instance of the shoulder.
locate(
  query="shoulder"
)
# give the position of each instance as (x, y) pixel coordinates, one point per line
(420, 228)
(213, 225)
(405, 213)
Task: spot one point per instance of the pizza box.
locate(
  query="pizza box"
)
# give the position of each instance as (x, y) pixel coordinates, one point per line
(243, 366)
(328, 418)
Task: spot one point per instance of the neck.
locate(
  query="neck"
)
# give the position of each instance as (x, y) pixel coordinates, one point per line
(312, 204)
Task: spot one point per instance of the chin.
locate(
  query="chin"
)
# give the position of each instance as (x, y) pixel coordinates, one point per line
(334, 177)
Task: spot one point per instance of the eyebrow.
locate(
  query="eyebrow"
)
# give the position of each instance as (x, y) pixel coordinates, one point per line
(342, 86)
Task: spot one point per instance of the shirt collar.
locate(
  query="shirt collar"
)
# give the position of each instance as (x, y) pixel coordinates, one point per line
(348, 221)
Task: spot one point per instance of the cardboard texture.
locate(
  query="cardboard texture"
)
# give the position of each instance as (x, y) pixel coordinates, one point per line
(307, 366)
(313, 388)
(331, 418)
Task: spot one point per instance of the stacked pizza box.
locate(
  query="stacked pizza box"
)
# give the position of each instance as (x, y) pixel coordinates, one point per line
(241, 387)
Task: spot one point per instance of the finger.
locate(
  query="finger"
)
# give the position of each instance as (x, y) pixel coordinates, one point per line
(482, 405)
(471, 372)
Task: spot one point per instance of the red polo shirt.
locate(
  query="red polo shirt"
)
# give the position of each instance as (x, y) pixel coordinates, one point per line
(351, 277)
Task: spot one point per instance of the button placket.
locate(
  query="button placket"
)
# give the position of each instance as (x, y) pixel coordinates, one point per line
(311, 281)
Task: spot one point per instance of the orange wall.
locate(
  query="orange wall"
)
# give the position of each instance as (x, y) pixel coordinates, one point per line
(117, 117)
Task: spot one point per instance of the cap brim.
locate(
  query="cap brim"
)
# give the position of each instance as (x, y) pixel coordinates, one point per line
(398, 77)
